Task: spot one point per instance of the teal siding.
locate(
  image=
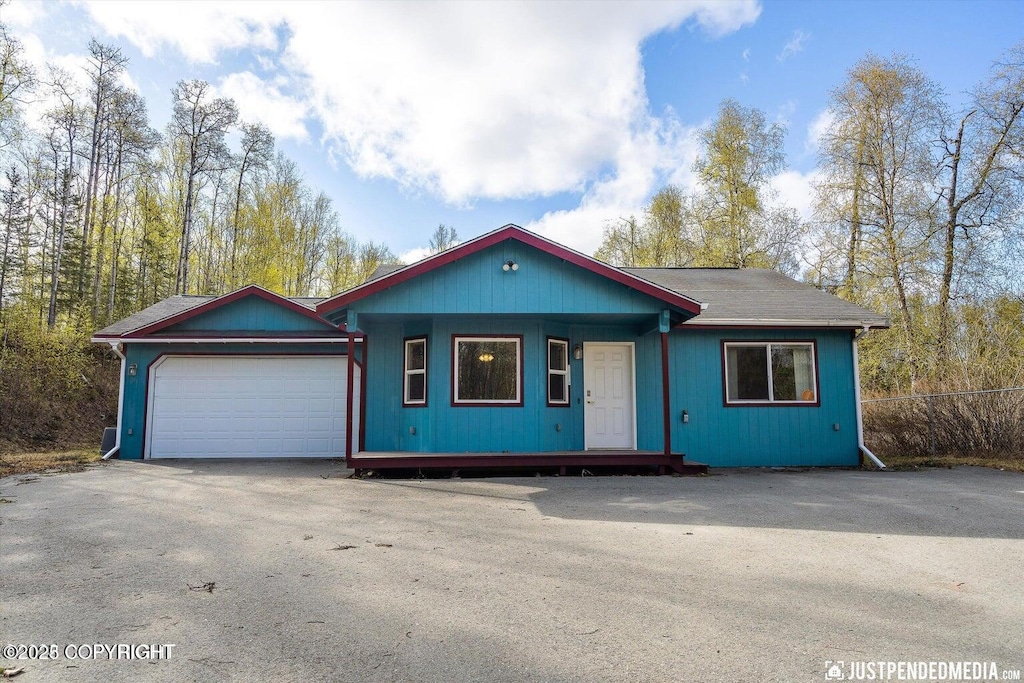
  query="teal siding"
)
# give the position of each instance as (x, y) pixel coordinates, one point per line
(477, 284)
(250, 313)
(532, 427)
(718, 435)
(779, 436)
(142, 355)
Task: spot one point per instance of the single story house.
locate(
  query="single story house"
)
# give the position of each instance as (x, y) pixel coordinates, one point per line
(508, 349)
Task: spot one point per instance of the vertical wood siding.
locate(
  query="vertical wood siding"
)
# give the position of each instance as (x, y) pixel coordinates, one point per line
(754, 436)
(477, 284)
(250, 313)
(719, 436)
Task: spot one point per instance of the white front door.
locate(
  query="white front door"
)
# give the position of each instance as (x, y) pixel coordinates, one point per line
(609, 415)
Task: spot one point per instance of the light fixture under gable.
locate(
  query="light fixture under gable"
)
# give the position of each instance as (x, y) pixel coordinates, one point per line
(510, 265)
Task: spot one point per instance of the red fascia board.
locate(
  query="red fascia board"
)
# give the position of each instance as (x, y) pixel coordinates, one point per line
(251, 290)
(496, 237)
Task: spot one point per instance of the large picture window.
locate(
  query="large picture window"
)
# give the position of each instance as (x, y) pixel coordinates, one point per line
(558, 372)
(770, 373)
(487, 370)
(415, 372)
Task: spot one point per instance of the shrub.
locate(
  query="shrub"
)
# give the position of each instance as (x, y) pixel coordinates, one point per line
(56, 389)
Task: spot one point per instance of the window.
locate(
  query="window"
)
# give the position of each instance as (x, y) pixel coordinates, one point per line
(770, 373)
(558, 372)
(487, 370)
(415, 372)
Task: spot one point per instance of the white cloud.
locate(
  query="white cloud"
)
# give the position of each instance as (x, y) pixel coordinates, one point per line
(817, 128)
(465, 101)
(794, 46)
(414, 255)
(746, 55)
(664, 154)
(744, 78)
(22, 14)
(263, 101)
(796, 190)
(198, 30)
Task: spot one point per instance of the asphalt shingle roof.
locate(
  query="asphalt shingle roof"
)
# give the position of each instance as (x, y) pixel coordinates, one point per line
(756, 295)
(748, 295)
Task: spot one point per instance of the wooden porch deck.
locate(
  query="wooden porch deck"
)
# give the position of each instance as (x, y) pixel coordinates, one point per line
(560, 460)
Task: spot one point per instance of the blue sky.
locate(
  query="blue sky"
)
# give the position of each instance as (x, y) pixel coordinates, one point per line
(558, 117)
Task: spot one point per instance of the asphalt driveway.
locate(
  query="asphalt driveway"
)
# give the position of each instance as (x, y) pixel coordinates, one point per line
(308, 575)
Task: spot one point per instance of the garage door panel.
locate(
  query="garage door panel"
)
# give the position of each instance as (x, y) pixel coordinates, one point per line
(321, 406)
(248, 406)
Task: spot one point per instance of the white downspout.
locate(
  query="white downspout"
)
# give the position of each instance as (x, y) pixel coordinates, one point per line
(856, 391)
(115, 347)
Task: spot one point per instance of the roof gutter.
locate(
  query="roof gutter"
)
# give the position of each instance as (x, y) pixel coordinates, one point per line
(856, 389)
(224, 340)
(116, 348)
(780, 322)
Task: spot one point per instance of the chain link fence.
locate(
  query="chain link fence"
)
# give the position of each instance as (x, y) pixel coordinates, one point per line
(983, 422)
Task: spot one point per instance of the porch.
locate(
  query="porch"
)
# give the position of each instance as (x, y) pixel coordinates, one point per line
(560, 460)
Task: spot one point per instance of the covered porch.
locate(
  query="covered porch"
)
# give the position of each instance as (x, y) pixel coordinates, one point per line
(563, 462)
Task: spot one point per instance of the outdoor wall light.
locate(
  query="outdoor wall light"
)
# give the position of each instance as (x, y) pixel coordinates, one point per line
(686, 417)
(133, 370)
(577, 352)
(510, 265)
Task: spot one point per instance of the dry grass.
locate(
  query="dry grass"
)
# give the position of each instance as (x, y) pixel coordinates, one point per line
(1010, 463)
(55, 461)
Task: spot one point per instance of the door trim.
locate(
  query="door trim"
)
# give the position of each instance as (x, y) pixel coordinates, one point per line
(632, 370)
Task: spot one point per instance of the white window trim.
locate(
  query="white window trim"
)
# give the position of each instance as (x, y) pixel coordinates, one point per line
(562, 373)
(771, 384)
(407, 372)
(518, 400)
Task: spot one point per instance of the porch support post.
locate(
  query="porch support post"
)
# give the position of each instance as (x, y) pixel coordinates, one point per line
(362, 395)
(666, 411)
(664, 325)
(350, 329)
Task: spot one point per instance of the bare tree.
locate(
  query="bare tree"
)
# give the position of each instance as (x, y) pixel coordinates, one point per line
(443, 238)
(977, 190)
(199, 125)
(256, 154)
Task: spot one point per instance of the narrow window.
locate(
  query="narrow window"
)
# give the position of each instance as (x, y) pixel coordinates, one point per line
(415, 371)
(487, 370)
(558, 372)
(770, 373)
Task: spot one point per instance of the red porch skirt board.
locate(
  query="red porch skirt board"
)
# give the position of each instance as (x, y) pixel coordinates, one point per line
(465, 461)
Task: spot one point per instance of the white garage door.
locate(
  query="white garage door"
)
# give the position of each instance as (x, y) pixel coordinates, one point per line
(249, 407)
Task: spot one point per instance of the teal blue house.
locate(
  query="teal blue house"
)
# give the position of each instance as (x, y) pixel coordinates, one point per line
(507, 350)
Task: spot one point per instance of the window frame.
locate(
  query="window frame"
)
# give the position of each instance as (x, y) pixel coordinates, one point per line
(567, 373)
(456, 402)
(406, 371)
(771, 402)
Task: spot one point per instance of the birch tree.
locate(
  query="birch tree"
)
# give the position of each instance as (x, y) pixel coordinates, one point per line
(199, 125)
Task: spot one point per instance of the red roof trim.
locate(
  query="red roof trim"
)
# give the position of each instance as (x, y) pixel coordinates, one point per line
(489, 240)
(250, 290)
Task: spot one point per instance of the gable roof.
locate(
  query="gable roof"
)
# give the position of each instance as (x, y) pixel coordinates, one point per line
(181, 307)
(759, 297)
(514, 232)
(381, 271)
